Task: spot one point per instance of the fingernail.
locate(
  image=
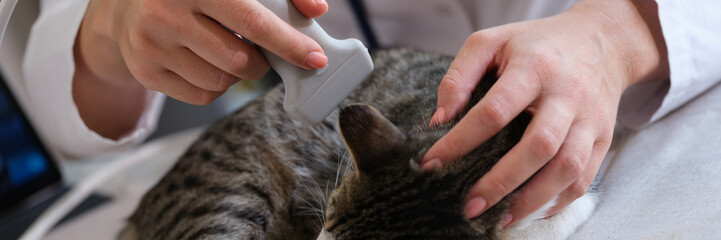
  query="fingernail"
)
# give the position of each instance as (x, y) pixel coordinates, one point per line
(506, 219)
(432, 164)
(438, 116)
(316, 60)
(474, 207)
(320, 2)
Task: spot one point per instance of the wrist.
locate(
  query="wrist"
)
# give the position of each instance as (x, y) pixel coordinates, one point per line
(108, 99)
(633, 31)
(107, 109)
(96, 49)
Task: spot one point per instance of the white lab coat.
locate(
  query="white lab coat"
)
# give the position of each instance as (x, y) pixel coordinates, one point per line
(38, 64)
(45, 85)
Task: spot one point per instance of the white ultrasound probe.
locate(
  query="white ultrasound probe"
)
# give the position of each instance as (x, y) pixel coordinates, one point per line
(310, 95)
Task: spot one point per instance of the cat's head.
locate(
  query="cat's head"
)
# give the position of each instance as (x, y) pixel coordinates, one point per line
(388, 196)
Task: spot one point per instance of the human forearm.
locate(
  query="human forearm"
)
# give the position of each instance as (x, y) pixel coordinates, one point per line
(109, 111)
(107, 97)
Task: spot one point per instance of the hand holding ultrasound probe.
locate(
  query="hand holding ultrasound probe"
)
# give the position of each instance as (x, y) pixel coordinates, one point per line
(570, 78)
(124, 47)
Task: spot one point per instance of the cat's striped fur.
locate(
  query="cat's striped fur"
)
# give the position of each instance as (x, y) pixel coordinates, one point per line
(257, 174)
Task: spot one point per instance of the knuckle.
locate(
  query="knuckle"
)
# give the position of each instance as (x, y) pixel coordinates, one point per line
(257, 70)
(451, 85)
(527, 85)
(143, 75)
(605, 117)
(139, 40)
(577, 82)
(224, 81)
(154, 12)
(500, 186)
(604, 140)
(450, 148)
(496, 113)
(147, 80)
(477, 37)
(453, 148)
(204, 97)
(256, 23)
(543, 55)
(451, 82)
(239, 61)
(544, 61)
(572, 165)
(148, 8)
(524, 205)
(152, 88)
(578, 189)
(546, 142)
(571, 87)
(481, 37)
(150, 83)
(292, 47)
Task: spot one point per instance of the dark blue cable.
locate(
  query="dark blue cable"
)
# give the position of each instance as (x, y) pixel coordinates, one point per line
(362, 18)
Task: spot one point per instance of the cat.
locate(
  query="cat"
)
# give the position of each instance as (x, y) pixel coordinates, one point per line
(258, 174)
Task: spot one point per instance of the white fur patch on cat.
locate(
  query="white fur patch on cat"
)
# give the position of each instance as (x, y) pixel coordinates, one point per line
(559, 226)
(324, 236)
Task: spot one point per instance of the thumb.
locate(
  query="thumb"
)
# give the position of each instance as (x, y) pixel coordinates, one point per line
(311, 8)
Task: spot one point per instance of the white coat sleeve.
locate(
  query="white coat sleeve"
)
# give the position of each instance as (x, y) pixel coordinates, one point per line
(48, 69)
(692, 34)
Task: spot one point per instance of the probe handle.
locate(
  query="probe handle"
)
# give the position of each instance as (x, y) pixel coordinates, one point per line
(310, 95)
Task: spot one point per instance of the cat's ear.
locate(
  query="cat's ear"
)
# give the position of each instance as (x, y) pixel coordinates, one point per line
(370, 137)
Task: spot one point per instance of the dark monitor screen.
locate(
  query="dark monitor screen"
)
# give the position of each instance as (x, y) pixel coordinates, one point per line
(25, 165)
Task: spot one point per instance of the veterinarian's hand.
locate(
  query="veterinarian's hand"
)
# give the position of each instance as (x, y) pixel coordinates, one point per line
(180, 48)
(568, 71)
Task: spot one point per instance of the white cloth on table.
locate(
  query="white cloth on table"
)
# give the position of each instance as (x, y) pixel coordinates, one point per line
(663, 182)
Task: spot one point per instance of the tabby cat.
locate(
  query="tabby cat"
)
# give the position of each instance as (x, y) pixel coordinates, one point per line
(258, 174)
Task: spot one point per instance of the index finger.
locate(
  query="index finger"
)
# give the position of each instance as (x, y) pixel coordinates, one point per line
(464, 73)
(253, 21)
(511, 94)
(310, 8)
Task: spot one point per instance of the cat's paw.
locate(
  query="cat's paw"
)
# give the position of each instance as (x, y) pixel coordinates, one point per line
(559, 226)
